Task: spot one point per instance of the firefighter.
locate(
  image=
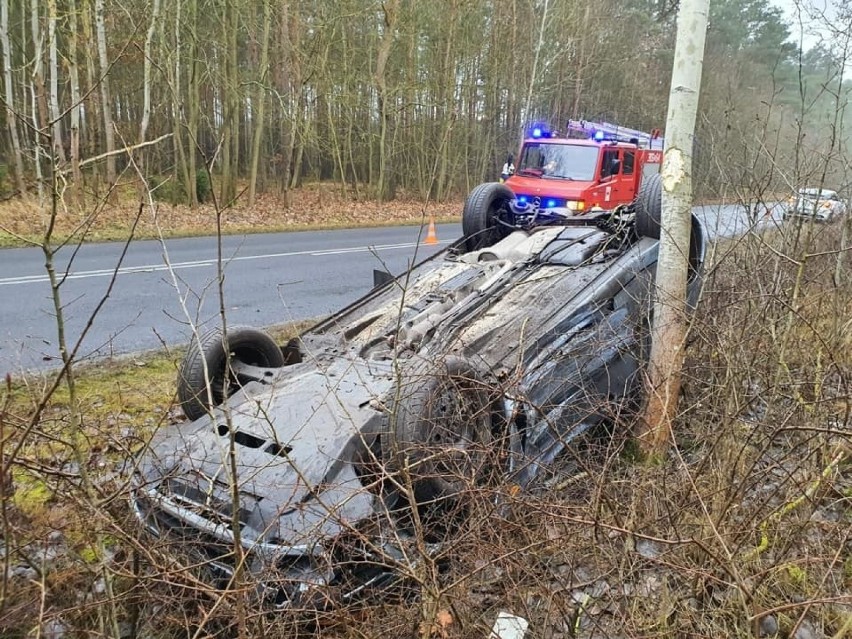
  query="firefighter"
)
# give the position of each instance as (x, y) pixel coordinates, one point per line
(508, 168)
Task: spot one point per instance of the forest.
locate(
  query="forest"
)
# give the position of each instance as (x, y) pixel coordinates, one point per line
(115, 108)
(395, 98)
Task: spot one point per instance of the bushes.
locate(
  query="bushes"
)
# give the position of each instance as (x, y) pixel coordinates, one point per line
(203, 188)
(5, 182)
(168, 189)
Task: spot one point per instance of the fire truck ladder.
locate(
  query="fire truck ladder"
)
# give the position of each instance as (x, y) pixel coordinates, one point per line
(617, 133)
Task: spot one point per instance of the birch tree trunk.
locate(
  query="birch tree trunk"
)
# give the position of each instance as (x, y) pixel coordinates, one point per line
(668, 334)
(11, 118)
(260, 101)
(106, 107)
(58, 148)
(146, 85)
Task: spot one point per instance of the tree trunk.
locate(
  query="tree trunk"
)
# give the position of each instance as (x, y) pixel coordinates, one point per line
(39, 97)
(181, 169)
(11, 117)
(295, 140)
(74, 72)
(581, 65)
(668, 334)
(231, 132)
(90, 139)
(146, 82)
(58, 148)
(260, 101)
(389, 12)
(193, 106)
(106, 107)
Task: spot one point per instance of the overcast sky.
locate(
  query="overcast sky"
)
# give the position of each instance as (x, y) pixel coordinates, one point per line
(812, 28)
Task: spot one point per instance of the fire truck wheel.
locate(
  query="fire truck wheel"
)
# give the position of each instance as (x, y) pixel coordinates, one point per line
(649, 206)
(205, 362)
(481, 216)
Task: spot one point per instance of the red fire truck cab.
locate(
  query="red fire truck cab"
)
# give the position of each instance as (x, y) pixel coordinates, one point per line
(596, 167)
(599, 170)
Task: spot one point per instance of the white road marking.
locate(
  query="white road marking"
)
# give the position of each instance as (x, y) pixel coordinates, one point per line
(152, 268)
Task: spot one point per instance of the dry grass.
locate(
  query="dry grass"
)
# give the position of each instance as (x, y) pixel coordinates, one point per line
(314, 206)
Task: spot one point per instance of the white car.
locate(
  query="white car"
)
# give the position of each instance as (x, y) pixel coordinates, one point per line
(822, 205)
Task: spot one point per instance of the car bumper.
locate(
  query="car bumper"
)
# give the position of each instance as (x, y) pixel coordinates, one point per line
(284, 577)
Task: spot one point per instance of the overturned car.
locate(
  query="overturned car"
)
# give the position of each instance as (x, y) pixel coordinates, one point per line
(308, 467)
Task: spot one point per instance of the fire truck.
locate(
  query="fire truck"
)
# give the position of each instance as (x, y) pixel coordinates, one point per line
(595, 167)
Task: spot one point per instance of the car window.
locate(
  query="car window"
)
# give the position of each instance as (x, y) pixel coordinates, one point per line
(629, 161)
(609, 165)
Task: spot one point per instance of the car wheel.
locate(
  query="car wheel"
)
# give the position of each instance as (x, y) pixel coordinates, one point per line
(648, 207)
(204, 365)
(440, 429)
(481, 215)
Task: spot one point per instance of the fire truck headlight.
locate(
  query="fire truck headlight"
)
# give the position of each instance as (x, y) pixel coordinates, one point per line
(576, 205)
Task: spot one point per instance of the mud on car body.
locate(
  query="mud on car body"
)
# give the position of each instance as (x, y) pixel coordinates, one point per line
(477, 366)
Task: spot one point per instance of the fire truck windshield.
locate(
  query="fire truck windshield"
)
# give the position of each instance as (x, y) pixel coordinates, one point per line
(558, 161)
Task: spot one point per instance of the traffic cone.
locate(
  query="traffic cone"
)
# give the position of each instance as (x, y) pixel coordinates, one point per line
(431, 236)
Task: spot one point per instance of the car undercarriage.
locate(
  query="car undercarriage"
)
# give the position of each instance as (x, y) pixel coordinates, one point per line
(312, 467)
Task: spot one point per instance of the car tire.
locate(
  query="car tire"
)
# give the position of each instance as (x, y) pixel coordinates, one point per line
(480, 218)
(204, 364)
(440, 429)
(648, 207)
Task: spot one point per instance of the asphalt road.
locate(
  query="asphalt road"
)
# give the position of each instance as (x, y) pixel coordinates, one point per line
(161, 288)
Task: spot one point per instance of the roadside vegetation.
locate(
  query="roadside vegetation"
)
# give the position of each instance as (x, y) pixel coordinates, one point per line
(743, 532)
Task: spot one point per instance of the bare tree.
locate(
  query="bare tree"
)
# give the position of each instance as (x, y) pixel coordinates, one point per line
(390, 15)
(146, 108)
(260, 101)
(106, 106)
(53, 53)
(74, 72)
(11, 119)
